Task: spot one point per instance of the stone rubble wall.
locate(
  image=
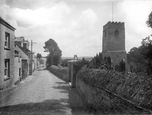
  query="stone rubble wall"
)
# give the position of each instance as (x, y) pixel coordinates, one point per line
(109, 91)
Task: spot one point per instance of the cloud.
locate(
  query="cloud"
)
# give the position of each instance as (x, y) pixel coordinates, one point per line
(7, 13)
(70, 35)
(135, 14)
(75, 25)
(88, 19)
(29, 4)
(41, 16)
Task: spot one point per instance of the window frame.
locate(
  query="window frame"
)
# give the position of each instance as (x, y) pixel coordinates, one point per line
(6, 69)
(116, 33)
(7, 41)
(19, 71)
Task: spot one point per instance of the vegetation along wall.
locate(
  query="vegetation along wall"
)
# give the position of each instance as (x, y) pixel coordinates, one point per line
(61, 72)
(110, 90)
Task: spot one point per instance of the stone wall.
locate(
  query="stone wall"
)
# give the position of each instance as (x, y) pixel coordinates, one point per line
(102, 98)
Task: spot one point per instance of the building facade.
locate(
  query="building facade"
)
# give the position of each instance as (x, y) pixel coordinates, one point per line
(6, 54)
(17, 66)
(23, 47)
(113, 42)
(22, 42)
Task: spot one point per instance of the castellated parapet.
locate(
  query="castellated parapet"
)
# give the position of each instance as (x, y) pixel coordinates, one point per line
(114, 25)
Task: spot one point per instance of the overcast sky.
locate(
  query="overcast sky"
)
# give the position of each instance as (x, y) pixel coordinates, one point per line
(76, 25)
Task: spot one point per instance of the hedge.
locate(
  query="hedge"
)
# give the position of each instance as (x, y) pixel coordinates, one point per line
(61, 72)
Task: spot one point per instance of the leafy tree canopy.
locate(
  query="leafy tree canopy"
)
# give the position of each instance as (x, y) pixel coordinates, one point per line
(149, 21)
(39, 55)
(52, 47)
(141, 57)
(54, 52)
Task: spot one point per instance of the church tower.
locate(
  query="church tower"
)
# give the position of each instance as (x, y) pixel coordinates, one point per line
(113, 42)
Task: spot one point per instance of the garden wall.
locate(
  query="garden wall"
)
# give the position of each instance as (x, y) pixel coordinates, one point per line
(101, 91)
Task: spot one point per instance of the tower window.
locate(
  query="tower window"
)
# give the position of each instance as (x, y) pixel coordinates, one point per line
(116, 34)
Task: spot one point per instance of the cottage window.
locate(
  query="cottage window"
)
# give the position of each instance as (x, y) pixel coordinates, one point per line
(7, 40)
(19, 71)
(18, 59)
(7, 69)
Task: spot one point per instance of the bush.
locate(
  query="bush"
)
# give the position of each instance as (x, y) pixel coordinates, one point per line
(61, 72)
(98, 62)
(64, 62)
(79, 64)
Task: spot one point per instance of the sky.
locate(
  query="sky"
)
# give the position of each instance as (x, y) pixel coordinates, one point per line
(76, 25)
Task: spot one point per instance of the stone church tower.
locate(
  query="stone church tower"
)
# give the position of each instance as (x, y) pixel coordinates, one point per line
(113, 43)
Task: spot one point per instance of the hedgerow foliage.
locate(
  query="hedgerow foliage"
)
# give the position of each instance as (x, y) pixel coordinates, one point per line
(64, 62)
(130, 86)
(79, 64)
(98, 62)
(61, 72)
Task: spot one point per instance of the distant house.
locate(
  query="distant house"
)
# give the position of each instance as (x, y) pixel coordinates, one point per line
(35, 62)
(6, 54)
(23, 47)
(44, 61)
(17, 65)
(22, 42)
(29, 62)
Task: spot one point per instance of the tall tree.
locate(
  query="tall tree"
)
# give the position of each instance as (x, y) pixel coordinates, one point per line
(54, 52)
(147, 53)
(149, 21)
(141, 57)
(148, 46)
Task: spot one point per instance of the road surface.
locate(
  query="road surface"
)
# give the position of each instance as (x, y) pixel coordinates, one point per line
(45, 94)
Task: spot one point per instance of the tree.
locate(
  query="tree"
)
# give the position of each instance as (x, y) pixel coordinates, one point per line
(136, 59)
(147, 53)
(141, 57)
(122, 65)
(54, 52)
(134, 55)
(39, 55)
(99, 62)
(149, 21)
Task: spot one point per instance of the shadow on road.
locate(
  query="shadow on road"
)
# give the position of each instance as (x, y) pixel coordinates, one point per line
(47, 107)
(75, 101)
(72, 105)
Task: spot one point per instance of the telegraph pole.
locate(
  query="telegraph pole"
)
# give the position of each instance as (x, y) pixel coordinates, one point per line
(31, 56)
(31, 46)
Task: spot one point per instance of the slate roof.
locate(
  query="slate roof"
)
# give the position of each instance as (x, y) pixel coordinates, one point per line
(2, 21)
(26, 51)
